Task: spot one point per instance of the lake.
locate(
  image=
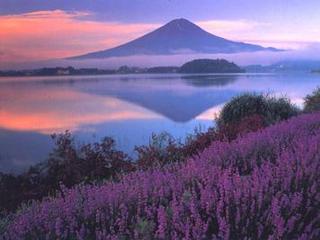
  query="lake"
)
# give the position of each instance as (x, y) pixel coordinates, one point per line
(128, 108)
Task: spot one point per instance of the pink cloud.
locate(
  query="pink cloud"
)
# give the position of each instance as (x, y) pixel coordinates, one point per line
(57, 34)
(263, 33)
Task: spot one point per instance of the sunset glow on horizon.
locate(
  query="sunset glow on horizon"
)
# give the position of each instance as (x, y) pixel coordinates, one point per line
(52, 31)
(159, 119)
(28, 37)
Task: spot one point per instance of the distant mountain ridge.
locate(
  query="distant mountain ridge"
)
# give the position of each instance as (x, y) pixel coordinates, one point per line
(286, 66)
(179, 36)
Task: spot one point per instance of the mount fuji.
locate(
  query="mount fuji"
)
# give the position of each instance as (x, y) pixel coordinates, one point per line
(179, 36)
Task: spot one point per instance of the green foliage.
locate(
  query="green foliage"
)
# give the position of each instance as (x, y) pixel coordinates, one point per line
(270, 108)
(312, 101)
(280, 109)
(240, 107)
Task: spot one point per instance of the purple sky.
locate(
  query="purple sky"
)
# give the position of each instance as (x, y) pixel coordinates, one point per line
(41, 29)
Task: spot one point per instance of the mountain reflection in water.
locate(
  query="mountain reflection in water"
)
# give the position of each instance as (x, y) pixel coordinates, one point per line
(126, 107)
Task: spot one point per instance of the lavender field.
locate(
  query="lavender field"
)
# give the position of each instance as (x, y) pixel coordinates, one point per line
(263, 185)
(157, 120)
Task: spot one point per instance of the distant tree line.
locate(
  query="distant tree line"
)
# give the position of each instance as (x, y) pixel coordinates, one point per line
(195, 66)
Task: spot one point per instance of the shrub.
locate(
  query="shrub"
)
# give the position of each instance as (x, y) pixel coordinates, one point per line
(229, 132)
(198, 141)
(263, 185)
(162, 149)
(70, 164)
(271, 109)
(312, 101)
(67, 165)
(280, 109)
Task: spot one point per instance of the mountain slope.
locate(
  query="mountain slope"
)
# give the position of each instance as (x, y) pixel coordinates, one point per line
(176, 37)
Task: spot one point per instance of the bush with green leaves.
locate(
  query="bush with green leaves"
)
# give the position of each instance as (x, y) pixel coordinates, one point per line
(312, 101)
(270, 108)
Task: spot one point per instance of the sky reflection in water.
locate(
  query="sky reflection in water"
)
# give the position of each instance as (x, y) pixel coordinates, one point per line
(128, 108)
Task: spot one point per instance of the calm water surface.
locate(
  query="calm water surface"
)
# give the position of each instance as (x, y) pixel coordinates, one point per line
(127, 107)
